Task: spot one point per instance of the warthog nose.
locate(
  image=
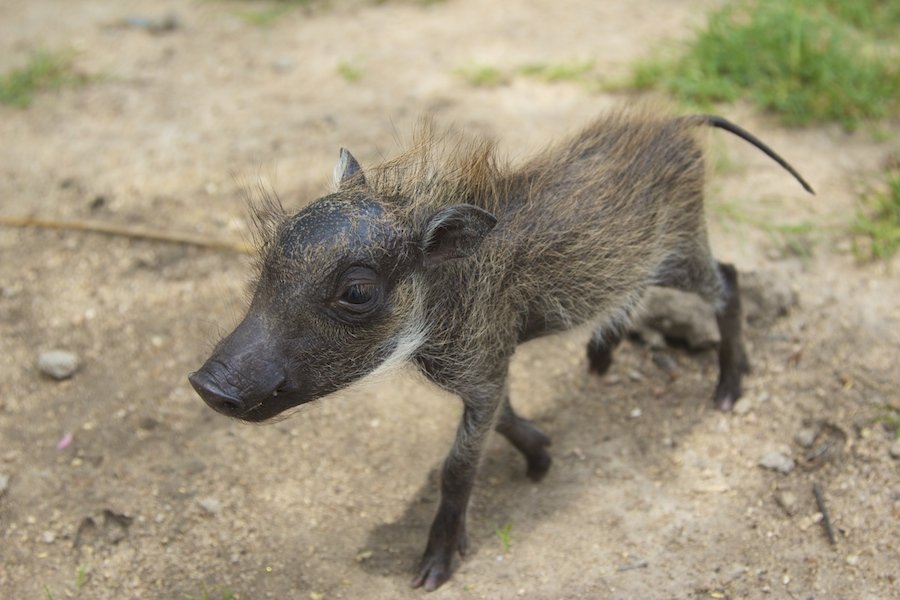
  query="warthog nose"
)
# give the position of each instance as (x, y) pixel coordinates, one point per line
(213, 395)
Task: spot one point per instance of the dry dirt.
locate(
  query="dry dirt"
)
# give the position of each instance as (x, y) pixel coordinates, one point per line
(158, 497)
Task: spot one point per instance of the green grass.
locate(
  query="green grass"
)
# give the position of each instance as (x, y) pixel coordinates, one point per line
(808, 61)
(217, 595)
(82, 576)
(504, 535)
(270, 11)
(796, 239)
(349, 71)
(489, 76)
(267, 12)
(482, 75)
(44, 71)
(555, 72)
(877, 226)
(890, 420)
(263, 17)
(879, 17)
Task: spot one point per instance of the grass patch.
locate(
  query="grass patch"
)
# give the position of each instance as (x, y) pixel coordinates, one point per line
(270, 11)
(797, 239)
(81, 577)
(808, 61)
(264, 17)
(504, 535)
(564, 71)
(44, 71)
(214, 595)
(890, 420)
(482, 75)
(349, 71)
(878, 17)
(792, 239)
(876, 228)
(488, 76)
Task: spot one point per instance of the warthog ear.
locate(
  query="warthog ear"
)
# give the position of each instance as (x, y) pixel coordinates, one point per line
(346, 169)
(454, 232)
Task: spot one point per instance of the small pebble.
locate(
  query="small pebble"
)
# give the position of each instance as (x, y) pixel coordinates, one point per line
(635, 375)
(364, 556)
(635, 413)
(787, 501)
(4, 483)
(895, 449)
(736, 572)
(743, 406)
(777, 461)
(282, 65)
(65, 441)
(316, 596)
(57, 364)
(853, 560)
(805, 437)
(48, 537)
(210, 505)
(666, 364)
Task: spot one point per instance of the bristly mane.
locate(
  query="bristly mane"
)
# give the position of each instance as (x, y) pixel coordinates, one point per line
(441, 167)
(266, 215)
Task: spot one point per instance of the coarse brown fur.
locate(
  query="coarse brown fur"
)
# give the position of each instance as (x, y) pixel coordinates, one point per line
(581, 230)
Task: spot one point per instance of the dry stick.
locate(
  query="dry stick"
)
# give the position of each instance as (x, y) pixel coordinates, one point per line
(641, 564)
(826, 522)
(127, 231)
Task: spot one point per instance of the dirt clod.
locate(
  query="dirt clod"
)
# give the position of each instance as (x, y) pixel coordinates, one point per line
(777, 461)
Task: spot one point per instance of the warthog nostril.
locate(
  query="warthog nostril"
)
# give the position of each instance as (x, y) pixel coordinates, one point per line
(213, 395)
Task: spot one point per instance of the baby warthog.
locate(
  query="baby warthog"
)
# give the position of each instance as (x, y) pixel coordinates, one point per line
(448, 258)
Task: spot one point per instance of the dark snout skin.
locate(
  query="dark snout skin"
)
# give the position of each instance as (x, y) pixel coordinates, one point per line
(245, 377)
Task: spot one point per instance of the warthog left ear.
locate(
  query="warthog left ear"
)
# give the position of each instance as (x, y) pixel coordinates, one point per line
(347, 168)
(454, 232)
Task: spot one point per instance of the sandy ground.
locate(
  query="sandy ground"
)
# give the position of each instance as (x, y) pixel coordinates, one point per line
(653, 494)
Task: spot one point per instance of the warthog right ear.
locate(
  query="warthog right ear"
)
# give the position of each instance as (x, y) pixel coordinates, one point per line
(455, 232)
(347, 168)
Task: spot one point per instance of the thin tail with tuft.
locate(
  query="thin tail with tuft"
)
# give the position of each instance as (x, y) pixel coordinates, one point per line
(721, 123)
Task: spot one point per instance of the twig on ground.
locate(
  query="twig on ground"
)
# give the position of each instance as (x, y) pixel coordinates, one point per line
(826, 521)
(641, 564)
(129, 231)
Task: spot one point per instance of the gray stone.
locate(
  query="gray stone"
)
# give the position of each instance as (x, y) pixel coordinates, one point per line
(666, 364)
(681, 316)
(766, 296)
(210, 505)
(4, 483)
(57, 364)
(787, 500)
(895, 449)
(743, 406)
(806, 437)
(651, 337)
(777, 461)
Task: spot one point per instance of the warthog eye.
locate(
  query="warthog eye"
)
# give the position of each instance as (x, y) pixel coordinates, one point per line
(358, 292)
